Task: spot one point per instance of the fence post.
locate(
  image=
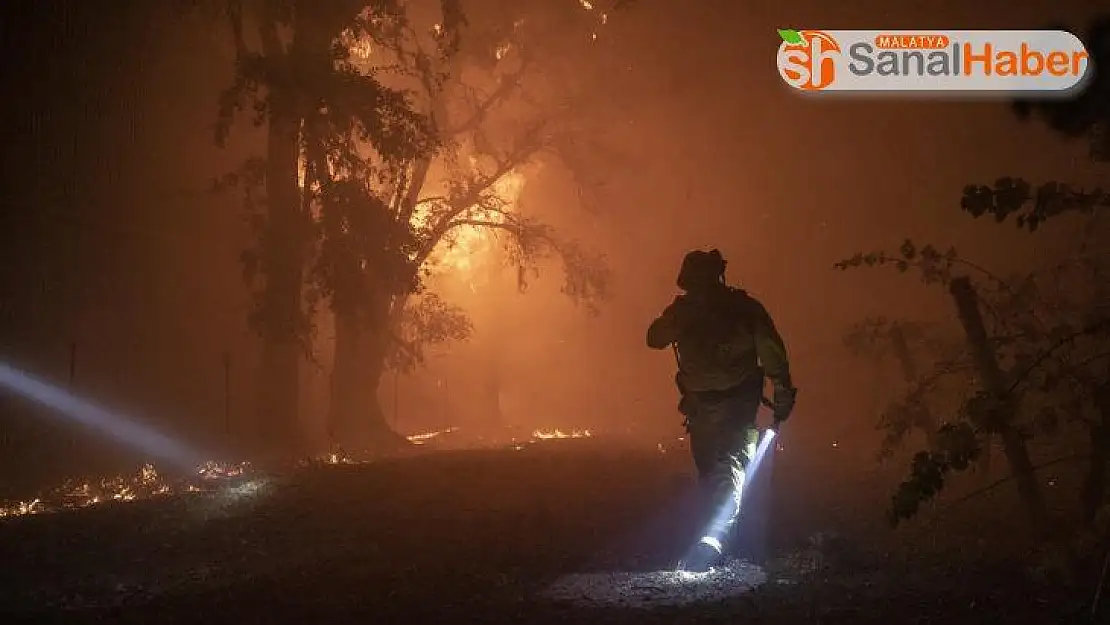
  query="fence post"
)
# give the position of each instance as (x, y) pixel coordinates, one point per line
(994, 384)
(227, 393)
(925, 421)
(72, 364)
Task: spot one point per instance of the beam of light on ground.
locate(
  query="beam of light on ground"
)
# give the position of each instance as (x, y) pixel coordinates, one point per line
(657, 589)
(731, 577)
(730, 509)
(115, 426)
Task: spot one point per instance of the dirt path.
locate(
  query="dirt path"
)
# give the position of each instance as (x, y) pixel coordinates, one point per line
(568, 533)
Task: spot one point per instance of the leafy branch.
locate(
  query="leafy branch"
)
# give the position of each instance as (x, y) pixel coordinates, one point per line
(1045, 352)
(958, 446)
(935, 267)
(1030, 206)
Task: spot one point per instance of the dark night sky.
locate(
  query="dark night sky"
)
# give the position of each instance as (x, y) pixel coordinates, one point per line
(107, 240)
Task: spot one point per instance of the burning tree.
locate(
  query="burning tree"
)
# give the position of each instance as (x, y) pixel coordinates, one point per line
(297, 82)
(492, 117)
(1039, 355)
(396, 131)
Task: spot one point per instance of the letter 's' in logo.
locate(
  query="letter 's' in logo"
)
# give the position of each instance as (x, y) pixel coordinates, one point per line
(806, 58)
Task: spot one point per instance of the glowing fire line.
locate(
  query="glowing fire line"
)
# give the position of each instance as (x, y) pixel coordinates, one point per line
(556, 433)
(147, 483)
(420, 439)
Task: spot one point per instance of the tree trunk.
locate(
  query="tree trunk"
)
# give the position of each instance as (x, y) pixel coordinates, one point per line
(925, 421)
(1095, 482)
(282, 262)
(1017, 454)
(356, 421)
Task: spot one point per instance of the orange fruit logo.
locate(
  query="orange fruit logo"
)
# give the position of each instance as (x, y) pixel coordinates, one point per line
(806, 58)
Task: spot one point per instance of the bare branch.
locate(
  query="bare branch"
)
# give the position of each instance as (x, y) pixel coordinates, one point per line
(1047, 353)
(467, 195)
(507, 84)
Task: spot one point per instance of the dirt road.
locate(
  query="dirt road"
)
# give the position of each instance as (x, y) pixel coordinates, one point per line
(567, 532)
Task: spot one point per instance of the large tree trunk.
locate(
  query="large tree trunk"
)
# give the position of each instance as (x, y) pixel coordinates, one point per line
(284, 241)
(1002, 424)
(356, 421)
(282, 263)
(1095, 482)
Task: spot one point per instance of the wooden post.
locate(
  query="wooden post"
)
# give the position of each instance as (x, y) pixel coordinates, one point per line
(494, 379)
(227, 394)
(926, 423)
(902, 352)
(72, 364)
(396, 398)
(587, 373)
(994, 384)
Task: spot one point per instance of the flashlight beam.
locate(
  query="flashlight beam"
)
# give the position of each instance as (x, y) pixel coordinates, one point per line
(761, 451)
(86, 413)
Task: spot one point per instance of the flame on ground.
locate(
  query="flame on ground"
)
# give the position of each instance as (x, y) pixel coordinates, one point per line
(556, 433)
(420, 439)
(147, 483)
(340, 456)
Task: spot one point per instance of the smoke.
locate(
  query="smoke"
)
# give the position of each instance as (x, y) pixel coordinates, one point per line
(113, 425)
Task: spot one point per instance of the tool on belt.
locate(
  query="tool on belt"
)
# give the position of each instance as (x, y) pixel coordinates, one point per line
(683, 405)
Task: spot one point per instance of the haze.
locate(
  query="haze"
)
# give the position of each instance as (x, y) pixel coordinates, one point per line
(120, 262)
